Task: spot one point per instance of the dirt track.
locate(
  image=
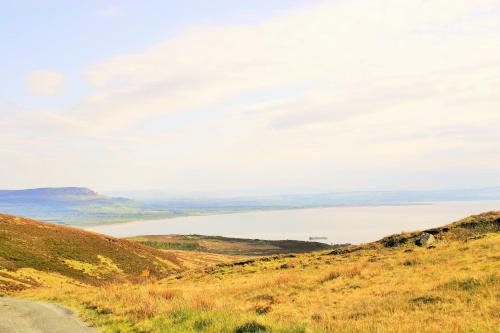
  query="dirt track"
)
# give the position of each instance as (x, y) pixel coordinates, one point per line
(21, 316)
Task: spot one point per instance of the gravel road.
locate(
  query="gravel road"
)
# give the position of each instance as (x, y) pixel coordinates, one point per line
(22, 316)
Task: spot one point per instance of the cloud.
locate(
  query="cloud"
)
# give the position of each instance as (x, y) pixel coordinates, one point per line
(45, 83)
(110, 11)
(319, 95)
(343, 45)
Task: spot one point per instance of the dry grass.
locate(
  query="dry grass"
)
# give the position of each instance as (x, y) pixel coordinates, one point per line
(166, 294)
(349, 273)
(454, 287)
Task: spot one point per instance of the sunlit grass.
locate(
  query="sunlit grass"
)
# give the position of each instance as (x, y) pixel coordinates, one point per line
(454, 287)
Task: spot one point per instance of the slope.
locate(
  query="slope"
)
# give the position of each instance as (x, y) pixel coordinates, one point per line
(76, 254)
(391, 285)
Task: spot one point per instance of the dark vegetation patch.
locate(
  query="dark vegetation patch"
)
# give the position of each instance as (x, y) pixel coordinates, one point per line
(411, 262)
(262, 309)
(426, 300)
(394, 240)
(201, 324)
(171, 246)
(251, 327)
(471, 284)
(468, 284)
(357, 315)
(316, 317)
(476, 237)
(266, 298)
(179, 316)
(229, 246)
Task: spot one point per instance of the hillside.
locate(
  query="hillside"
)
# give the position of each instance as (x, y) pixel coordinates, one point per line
(391, 285)
(226, 245)
(76, 206)
(78, 255)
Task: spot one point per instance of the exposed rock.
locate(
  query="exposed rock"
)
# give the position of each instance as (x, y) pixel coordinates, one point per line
(426, 239)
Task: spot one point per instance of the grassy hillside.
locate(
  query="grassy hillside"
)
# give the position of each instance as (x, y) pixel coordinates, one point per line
(392, 285)
(78, 255)
(226, 245)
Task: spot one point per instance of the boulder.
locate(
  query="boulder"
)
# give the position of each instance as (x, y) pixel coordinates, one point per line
(426, 239)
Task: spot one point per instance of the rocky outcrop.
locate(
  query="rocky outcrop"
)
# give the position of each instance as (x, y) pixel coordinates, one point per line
(426, 239)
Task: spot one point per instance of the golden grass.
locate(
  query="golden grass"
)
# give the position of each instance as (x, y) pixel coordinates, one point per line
(348, 272)
(105, 267)
(454, 287)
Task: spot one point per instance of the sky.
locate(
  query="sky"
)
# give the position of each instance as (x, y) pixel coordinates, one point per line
(252, 96)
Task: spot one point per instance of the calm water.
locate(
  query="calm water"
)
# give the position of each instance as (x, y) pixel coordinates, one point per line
(339, 224)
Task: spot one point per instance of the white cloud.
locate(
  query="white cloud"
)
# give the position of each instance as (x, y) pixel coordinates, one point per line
(343, 45)
(384, 87)
(45, 82)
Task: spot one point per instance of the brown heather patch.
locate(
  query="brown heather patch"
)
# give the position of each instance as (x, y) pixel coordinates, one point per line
(77, 254)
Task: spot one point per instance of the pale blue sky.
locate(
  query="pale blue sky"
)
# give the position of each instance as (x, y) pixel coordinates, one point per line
(227, 96)
(70, 36)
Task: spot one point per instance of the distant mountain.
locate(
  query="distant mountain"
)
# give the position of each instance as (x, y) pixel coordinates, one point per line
(51, 193)
(81, 206)
(75, 206)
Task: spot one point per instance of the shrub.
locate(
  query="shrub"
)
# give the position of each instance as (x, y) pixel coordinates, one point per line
(251, 327)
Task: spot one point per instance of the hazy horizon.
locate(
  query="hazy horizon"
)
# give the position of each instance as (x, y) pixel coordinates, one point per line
(253, 97)
(158, 193)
